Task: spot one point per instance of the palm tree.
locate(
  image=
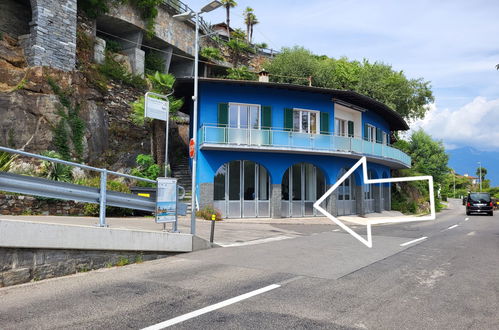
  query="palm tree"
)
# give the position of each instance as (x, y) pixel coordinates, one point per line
(254, 21)
(228, 4)
(248, 19)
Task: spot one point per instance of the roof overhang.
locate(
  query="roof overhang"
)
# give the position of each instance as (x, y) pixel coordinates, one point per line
(185, 86)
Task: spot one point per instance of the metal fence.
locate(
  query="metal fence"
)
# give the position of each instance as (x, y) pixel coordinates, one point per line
(178, 7)
(23, 184)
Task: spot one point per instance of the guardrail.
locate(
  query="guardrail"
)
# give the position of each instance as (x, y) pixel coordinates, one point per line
(53, 189)
(289, 140)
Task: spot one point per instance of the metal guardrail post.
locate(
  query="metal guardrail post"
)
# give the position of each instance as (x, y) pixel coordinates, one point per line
(102, 199)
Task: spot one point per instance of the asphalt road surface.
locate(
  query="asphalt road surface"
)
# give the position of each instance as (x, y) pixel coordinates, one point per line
(321, 279)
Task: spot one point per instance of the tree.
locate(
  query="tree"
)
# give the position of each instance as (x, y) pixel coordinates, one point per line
(483, 173)
(409, 97)
(228, 4)
(428, 156)
(249, 18)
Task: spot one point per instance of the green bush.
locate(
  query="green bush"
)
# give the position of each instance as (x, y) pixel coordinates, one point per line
(117, 71)
(211, 53)
(113, 46)
(92, 210)
(55, 171)
(207, 211)
(6, 160)
(240, 73)
(154, 63)
(146, 169)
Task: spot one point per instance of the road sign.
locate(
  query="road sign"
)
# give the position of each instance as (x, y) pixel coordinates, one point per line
(166, 200)
(363, 162)
(192, 148)
(156, 108)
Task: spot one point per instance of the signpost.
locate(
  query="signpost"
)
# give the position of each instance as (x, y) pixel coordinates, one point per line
(157, 107)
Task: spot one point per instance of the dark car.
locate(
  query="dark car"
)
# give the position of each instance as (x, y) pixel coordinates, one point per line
(479, 203)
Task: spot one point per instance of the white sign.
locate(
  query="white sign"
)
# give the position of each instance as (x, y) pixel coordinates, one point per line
(156, 108)
(166, 200)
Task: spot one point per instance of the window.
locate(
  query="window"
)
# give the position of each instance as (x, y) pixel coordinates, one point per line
(306, 121)
(340, 127)
(371, 133)
(385, 138)
(244, 116)
(344, 127)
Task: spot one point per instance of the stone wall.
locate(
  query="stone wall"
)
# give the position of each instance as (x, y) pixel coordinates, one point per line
(28, 205)
(24, 265)
(52, 39)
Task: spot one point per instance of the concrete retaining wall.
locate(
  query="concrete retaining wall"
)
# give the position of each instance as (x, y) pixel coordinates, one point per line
(24, 265)
(31, 251)
(24, 234)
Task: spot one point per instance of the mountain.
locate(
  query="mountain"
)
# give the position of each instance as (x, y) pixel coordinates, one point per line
(465, 160)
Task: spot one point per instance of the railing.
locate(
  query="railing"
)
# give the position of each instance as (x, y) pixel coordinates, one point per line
(178, 7)
(288, 140)
(53, 189)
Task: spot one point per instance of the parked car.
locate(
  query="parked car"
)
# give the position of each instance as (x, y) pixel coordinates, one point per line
(479, 203)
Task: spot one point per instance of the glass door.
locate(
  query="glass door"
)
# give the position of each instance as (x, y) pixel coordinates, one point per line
(242, 117)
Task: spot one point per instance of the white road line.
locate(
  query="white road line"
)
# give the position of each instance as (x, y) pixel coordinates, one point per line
(452, 227)
(211, 308)
(336, 230)
(466, 219)
(257, 241)
(414, 241)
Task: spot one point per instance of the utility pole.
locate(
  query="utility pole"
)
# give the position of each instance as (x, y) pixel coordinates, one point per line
(480, 164)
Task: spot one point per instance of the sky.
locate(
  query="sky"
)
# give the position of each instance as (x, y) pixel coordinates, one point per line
(453, 44)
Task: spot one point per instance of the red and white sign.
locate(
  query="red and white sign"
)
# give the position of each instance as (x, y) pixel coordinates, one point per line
(192, 149)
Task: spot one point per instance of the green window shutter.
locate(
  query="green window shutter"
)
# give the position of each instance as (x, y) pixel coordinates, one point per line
(351, 131)
(223, 114)
(324, 123)
(379, 136)
(288, 119)
(266, 114)
(366, 132)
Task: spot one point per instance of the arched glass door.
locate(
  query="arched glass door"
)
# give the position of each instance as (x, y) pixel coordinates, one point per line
(302, 185)
(345, 201)
(242, 190)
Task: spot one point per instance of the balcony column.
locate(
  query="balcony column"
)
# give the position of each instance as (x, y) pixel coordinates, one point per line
(388, 197)
(331, 202)
(359, 200)
(377, 198)
(206, 194)
(275, 201)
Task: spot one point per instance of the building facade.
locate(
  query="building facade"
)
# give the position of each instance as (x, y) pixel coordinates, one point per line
(271, 150)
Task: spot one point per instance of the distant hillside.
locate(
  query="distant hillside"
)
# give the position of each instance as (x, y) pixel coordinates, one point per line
(464, 160)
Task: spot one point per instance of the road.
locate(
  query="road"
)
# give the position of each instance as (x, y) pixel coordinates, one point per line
(321, 279)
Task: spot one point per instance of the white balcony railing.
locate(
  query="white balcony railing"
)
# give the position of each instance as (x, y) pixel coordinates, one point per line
(282, 139)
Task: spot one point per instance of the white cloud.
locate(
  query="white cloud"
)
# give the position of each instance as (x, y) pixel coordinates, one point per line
(475, 124)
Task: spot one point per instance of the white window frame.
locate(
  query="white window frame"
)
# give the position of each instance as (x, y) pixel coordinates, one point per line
(318, 118)
(343, 123)
(371, 133)
(239, 114)
(385, 138)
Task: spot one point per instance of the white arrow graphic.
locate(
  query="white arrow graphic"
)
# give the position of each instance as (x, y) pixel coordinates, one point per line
(369, 241)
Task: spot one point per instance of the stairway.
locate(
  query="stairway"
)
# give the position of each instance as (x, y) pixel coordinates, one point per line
(182, 172)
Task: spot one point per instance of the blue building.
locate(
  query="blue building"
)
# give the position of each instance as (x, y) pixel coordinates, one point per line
(271, 149)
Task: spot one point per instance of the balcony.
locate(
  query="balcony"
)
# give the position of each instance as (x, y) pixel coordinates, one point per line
(274, 140)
